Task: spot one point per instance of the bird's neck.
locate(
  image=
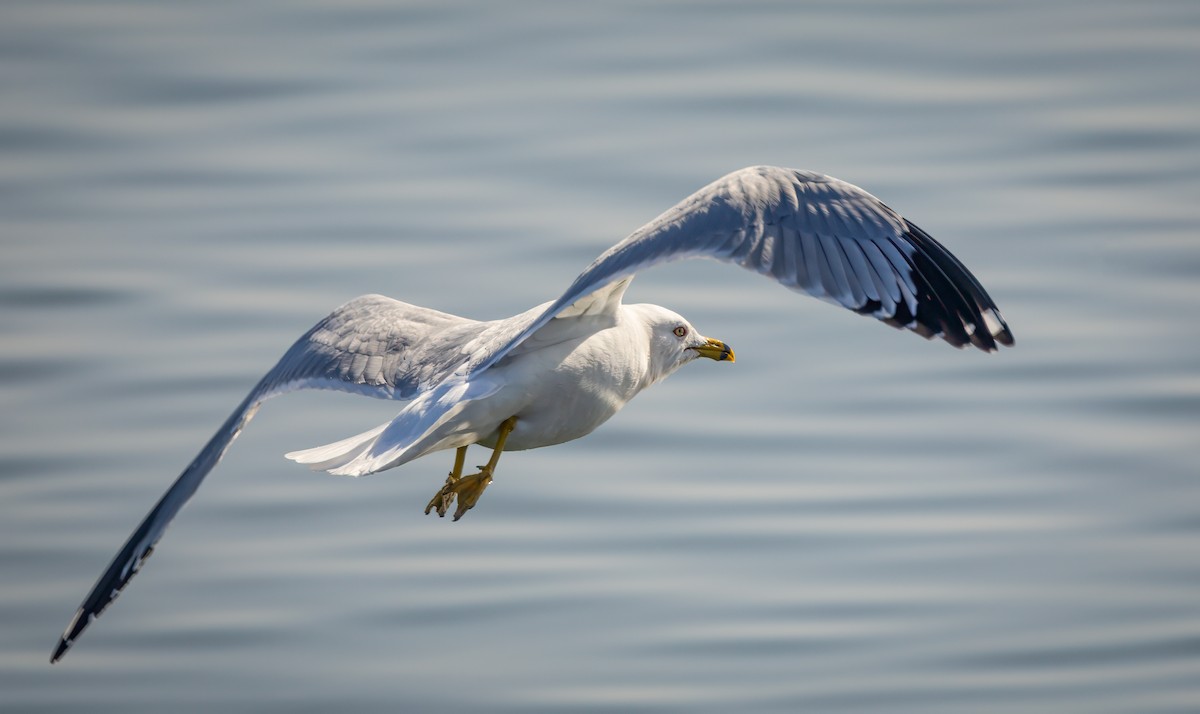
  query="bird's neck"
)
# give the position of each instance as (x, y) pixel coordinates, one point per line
(638, 335)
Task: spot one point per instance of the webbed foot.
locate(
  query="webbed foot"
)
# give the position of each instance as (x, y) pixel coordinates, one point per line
(467, 490)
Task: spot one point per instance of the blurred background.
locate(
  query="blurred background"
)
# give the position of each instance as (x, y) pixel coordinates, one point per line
(850, 519)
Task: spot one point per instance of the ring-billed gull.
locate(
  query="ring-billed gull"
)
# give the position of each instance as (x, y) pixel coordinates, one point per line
(558, 371)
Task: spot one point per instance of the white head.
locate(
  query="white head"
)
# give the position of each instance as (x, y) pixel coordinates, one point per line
(674, 342)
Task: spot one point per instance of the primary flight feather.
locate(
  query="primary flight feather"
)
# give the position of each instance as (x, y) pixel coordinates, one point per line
(556, 372)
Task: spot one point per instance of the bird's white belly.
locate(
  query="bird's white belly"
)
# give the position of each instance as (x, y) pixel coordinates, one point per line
(577, 389)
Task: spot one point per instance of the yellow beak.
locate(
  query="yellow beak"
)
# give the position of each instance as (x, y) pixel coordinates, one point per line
(715, 349)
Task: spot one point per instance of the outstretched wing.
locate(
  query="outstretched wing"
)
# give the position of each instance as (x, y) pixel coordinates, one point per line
(372, 345)
(812, 233)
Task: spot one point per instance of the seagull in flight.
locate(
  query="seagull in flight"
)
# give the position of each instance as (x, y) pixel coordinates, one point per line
(563, 368)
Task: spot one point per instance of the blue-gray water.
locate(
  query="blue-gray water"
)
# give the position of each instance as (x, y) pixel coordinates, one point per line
(850, 519)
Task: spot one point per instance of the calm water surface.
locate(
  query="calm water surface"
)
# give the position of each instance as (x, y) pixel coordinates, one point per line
(850, 519)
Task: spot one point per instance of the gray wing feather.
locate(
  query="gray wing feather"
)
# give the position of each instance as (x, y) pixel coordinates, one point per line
(809, 232)
(376, 346)
(372, 345)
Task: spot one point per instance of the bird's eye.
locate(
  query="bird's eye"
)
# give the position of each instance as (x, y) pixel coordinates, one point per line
(680, 331)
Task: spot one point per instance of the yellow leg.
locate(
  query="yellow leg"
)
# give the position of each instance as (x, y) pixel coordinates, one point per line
(445, 498)
(468, 489)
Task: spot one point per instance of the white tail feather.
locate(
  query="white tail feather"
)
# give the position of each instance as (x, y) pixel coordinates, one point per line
(410, 435)
(413, 433)
(339, 453)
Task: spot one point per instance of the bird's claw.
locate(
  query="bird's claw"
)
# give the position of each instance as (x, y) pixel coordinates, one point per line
(467, 489)
(443, 499)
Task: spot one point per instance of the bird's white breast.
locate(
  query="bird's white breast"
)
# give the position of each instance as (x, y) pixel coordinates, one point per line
(564, 391)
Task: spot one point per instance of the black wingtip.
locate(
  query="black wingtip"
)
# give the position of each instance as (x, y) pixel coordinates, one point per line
(108, 587)
(63, 646)
(77, 625)
(1003, 335)
(956, 306)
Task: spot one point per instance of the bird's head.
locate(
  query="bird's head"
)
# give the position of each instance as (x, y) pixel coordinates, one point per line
(674, 342)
